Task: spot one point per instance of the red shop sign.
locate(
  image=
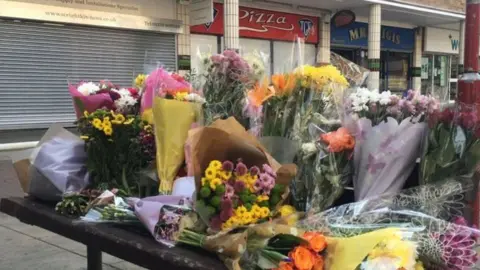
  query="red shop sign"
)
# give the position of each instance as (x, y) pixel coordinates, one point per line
(265, 24)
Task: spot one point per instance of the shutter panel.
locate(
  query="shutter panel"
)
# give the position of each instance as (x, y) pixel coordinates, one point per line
(37, 60)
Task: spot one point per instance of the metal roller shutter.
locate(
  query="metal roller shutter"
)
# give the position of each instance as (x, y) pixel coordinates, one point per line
(37, 60)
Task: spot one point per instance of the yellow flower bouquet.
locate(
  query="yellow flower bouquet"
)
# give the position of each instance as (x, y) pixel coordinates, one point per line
(118, 147)
(238, 183)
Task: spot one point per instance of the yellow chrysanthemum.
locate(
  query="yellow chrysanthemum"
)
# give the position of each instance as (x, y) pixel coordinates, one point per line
(252, 179)
(140, 81)
(262, 198)
(108, 130)
(225, 175)
(236, 221)
(265, 212)
(319, 77)
(247, 218)
(129, 121)
(287, 210)
(181, 96)
(119, 118)
(214, 183)
(215, 164)
(240, 211)
(97, 123)
(85, 114)
(210, 173)
(257, 211)
(395, 247)
(204, 181)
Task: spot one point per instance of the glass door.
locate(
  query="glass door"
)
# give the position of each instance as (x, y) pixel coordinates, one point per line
(441, 77)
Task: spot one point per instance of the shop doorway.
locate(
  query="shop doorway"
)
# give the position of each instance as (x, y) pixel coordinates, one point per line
(395, 71)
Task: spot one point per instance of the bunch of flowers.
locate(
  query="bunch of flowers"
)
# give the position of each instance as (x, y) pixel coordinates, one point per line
(389, 131)
(318, 77)
(227, 78)
(172, 106)
(307, 255)
(330, 167)
(453, 144)
(233, 195)
(379, 106)
(118, 147)
(90, 96)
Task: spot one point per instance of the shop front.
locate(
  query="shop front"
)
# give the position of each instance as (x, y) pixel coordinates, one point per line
(271, 35)
(397, 45)
(440, 66)
(44, 44)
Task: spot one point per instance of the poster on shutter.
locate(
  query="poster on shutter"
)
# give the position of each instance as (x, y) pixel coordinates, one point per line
(264, 24)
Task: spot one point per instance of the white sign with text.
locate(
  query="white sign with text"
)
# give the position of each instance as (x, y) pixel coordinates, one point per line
(442, 41)
(201, 12)
(68, 11)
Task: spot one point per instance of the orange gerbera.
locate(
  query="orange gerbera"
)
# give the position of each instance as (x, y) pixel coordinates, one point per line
(260, 93)
(303, 258)
(285, 266)
(316, 240)
(339, 140)
(283, 83)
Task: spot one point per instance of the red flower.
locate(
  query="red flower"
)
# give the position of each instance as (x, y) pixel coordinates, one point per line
(446, 116)
(178, 77)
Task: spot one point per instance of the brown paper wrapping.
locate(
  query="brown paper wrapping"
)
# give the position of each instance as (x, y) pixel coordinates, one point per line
(228, 140)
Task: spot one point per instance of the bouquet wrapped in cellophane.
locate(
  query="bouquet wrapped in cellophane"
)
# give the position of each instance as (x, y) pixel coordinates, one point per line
(453, 144)
(320, 89)
(389, 132)
(419, 214)
(226, 79)
(238, 183)
(176, 106)
(118, 148)
(395, 231)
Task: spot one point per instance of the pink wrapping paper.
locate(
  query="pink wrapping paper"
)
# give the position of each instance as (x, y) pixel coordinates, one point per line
(91, 103)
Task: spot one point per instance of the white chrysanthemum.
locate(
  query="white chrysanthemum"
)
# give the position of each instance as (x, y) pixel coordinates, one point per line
(192, 97)
(385, 98)
(88, 88)
(125, 101)
(309, 148)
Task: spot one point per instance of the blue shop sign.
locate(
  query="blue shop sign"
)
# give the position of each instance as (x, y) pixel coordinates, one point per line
(356, 35)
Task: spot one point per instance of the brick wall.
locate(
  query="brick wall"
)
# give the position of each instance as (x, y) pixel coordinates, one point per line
(451, 5)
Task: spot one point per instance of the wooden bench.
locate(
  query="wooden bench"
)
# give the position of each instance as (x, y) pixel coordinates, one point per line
(136, 246)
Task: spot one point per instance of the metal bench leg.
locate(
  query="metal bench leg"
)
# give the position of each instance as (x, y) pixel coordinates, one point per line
(94, 258)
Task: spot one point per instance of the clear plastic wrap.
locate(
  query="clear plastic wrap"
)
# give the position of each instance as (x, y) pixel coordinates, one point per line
(355, 74)
(453, 144)
(418, 214)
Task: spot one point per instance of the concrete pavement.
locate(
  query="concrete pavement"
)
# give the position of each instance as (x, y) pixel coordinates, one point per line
(25, 247)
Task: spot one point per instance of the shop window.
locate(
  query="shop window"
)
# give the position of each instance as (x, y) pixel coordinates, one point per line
(427, 64)
(394, 73)
(202, 45)
(288, 55)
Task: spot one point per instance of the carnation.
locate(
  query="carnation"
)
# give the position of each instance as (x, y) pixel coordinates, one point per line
(88, 88)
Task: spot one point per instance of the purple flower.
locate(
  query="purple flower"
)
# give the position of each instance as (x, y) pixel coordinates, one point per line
(239, 186)
(258, 185)
(216, 223)
(254, 171)
(229, 191)
(227, 166)
(394, 99)
(241, 169)
(269, 170)
(226, 203)
(459, 220)
(226, 214)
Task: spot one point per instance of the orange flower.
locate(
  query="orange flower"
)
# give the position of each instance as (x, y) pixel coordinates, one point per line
(316, 240)
(303, 258)
(339, 140)
(260, 93)
(285, 266)
(319, 263)
(283, 83)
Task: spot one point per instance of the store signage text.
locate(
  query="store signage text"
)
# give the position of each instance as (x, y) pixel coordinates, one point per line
(265, 24)
(455, 43)
(362, 32)
(357, 36)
